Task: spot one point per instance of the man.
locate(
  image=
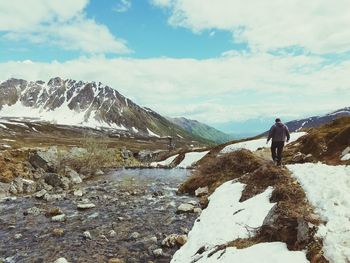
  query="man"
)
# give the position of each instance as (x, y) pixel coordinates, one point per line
(278, 133)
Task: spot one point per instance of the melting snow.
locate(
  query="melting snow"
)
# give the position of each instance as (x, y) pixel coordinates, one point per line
(151, 133)
(328, 189)
(165, 162)
(191, 158)
(135, 130)
(226, 219)
(253, 145)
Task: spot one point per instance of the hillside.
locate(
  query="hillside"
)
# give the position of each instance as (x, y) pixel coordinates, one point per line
(202, 130)
(84, 104)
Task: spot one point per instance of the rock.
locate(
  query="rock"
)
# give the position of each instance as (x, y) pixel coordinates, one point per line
(87, 235)
(47, 160)
(83, 206)
(192, 202)
(94, 215)
(65, 183)
(112, 233)
(4, 189)
(173, 240)
(53, 179)
(309, 158)
(185, 208)
(29, 186)
(73, 176)
(197, 210)
(54, 212)
(204, 201)
(135, 235)
(58, 232)
(50, 198)
(158, 252)
(61, 260)
(18, 236)
(35, 211)
(116, 260)
(126, 154)
(104, 238)
(99, 172)
(78, 193)
(40, 194)
(59, 218)
(345, 151)
(201, 191)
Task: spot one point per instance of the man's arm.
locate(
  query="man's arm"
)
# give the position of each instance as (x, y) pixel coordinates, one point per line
(272, 129)
(287, 133)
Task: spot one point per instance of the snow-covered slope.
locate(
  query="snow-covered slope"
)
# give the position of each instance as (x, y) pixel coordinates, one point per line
(226, 219)
(191, 158)
(79, 103)
(328, 189)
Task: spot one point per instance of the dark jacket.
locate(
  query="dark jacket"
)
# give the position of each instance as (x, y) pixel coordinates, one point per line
(279, 132)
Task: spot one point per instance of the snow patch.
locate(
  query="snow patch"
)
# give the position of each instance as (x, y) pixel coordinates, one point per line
(253, 145)
(191, 158)
(134, 130)
(226, 219)
(328, 189)
(346, 157)
(166, 162)
(151, 133)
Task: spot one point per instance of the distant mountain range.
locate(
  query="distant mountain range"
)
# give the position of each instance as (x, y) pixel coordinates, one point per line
(317, 121)
(202, 130)
(83, 104)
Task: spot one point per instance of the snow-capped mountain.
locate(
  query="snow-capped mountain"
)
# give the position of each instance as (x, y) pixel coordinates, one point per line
(78, 103)
(317, 121)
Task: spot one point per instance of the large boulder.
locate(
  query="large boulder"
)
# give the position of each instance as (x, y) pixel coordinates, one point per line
(45, 159)
(73, 176)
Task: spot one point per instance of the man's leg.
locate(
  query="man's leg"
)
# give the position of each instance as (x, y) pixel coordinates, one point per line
(279, 152)
(273, 151)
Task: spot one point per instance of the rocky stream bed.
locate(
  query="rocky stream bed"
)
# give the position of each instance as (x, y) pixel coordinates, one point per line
(125, 214)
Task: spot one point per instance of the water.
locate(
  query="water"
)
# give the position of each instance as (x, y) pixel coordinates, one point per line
(127, 201)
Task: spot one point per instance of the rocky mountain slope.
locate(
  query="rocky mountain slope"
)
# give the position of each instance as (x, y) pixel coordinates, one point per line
(202, 130)
(317, 121)
(78, 103)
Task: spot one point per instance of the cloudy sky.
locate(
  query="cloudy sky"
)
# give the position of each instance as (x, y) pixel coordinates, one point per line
(222, 61)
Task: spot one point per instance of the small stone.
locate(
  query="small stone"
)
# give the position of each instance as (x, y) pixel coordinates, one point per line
(135, 235)
(99, 173)
(115, 260)
(35, 211)
(83, 206)
(173, 240)
(73, 175)
(87, 235)
(18, 236)
(158, 252)
(185, 208)
(104, 238)
(202, 191)
(181, 240)
(59, 218)
(40, 194)
(54, 212)
(120, 218)
(61, 260)
(58, 232)
(192, 202)
(94, 215)
(197, 210)
(78, 193)
(112, 233)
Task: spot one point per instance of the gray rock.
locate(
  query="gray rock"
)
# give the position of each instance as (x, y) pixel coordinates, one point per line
(174, 240)
(112, 233)
(4, 190)
(87, 235)
(73, 176)
(58, 218)
(53, 179)
(18, 236)
(61, 260)
(192, 202)
(298, 157)
(197, 210)
(158, 252)
(54, 197)
(45, 159)
(65, 183)
(135, 235)
(29, 186)
(185, 208)
(35, 211)
(83, 206)
(99, 172)
(40, 194)
(78, 193)
(201, 191)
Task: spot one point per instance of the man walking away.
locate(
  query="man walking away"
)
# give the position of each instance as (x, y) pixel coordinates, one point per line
(278, 133)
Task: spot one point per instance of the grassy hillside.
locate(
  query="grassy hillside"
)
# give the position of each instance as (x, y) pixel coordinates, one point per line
(202, 130)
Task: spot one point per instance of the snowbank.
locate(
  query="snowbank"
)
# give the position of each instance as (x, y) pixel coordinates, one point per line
(191, 158)
(226, 219)
(328, 190)
(253, 145)
(166, 162)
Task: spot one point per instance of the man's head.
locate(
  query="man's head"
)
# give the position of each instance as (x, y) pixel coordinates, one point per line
(278, 120)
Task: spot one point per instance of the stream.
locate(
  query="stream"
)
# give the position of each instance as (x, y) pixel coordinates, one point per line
(138, 204)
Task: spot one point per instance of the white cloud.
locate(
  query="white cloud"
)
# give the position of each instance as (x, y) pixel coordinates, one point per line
(161, 3)
(59, 22)
(316, 25)
(237, 87)
(122, 6)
